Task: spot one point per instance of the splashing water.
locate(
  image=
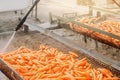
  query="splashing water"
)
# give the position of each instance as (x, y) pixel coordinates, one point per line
(7, 44)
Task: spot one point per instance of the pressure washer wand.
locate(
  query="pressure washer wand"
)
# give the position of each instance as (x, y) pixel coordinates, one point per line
(25, 17)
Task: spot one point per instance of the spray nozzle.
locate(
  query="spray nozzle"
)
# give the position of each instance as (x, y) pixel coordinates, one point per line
(25, 17)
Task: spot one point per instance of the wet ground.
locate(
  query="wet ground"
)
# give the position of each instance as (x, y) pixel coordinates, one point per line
(33, 40)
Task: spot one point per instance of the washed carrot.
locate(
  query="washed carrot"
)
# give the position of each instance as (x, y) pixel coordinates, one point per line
(50, 64)
(105, 72)
(110, 26)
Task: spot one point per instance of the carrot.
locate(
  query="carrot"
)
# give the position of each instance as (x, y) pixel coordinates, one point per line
(105, 72)
(73, 54)
(66, 77)
(93, 74)
(110, 26)
(54, 75)
(100, 77)
(29, 74)
(50, 64)
(82, 78)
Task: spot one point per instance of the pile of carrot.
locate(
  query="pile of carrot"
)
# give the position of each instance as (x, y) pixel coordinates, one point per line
(110, 26)
(49, 63)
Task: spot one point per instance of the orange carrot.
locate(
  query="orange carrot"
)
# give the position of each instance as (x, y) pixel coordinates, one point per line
(110, 26)
(50, 64)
